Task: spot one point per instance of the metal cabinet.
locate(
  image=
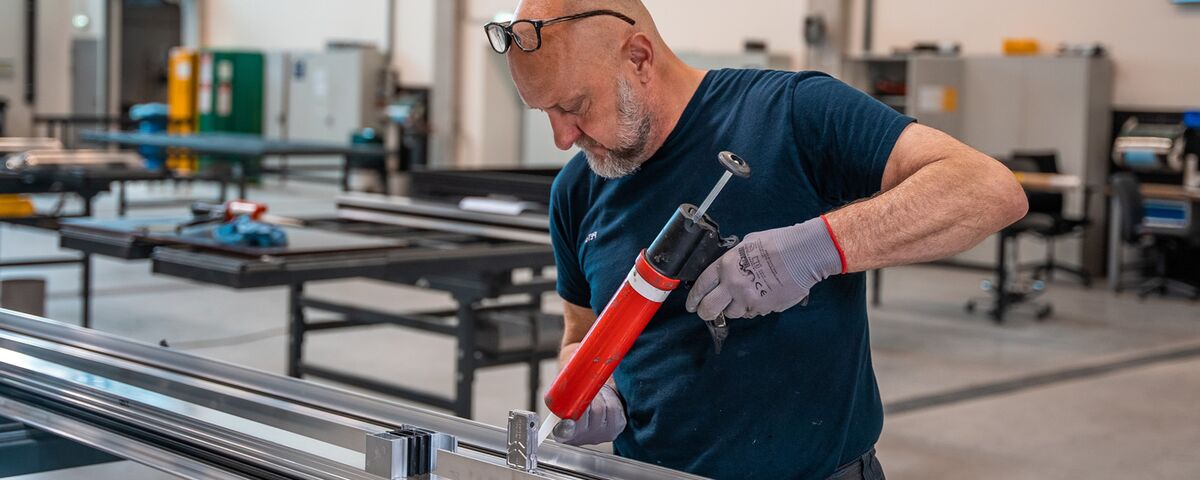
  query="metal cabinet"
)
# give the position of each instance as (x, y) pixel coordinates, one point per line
(928, 88)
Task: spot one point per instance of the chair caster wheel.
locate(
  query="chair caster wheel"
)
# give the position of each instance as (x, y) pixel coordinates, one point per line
(970, 307)
(1044, 313)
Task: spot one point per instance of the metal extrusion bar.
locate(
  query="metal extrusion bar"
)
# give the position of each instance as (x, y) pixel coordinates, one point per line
(407, 452)
(133, 400)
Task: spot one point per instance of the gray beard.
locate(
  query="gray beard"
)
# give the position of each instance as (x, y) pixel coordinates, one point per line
(634, 125)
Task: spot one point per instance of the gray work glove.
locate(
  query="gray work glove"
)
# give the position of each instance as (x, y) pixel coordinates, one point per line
(601, 422)
(770, 271)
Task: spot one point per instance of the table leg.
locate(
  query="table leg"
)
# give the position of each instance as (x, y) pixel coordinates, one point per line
(465, 369)
(122, 198)
(535, 364)
(242, 180)
(85, 290)
(1001, 279)
(535, 382)
(1115, 246)
(296, 330)
(877, 287)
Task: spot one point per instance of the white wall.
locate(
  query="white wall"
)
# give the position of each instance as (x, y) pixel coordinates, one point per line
(53, 61)
(54, 53)
(1153, 42)
(310, 24)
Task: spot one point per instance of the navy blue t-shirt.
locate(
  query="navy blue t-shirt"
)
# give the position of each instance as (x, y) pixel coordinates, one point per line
(792, 394)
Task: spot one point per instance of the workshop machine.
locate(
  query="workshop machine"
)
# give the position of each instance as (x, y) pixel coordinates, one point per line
(1145, 147)
(203, 419)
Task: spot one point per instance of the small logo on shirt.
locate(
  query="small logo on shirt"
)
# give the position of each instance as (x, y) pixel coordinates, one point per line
(590, 237)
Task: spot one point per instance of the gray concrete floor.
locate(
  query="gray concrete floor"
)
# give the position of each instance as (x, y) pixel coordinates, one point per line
(1107, 388)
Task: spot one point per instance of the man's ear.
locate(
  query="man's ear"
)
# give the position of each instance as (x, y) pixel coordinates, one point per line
(641, 55)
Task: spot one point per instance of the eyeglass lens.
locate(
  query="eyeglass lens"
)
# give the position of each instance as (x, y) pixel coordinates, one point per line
(498, 37)
(526, 34)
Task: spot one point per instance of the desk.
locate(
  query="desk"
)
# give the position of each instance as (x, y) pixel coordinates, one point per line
(1154, 191)
(1049, 182)
(24, 144)
(239, 147)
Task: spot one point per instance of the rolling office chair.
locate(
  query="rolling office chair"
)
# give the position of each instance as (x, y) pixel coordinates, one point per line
(1008, 290)
(1156, 245)
(1050, 206)
(3, 114)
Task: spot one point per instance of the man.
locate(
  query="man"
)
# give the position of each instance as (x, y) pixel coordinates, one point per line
(841, 184)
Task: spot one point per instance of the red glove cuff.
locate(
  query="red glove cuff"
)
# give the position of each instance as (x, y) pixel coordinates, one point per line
(836, 244)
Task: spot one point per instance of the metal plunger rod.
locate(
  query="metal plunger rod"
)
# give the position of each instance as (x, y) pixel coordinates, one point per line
(712, 195)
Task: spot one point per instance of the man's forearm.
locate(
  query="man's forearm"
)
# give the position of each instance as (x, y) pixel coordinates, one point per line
(565, 353)
(942, 209)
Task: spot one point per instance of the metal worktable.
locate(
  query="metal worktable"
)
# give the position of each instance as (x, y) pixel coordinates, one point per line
(475, 270)
(236, 148)
(85, 182)
(203, 419)
(492, 265)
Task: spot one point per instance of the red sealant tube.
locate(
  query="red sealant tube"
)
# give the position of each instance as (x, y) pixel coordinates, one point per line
(605, 345)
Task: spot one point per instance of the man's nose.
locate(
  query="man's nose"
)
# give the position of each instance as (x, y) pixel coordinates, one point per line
(566, 131)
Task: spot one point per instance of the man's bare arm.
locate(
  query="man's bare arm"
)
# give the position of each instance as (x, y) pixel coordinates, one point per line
(939, 197)
(577, 321)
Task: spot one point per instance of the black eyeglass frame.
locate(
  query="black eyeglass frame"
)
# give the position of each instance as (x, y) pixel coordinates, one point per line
(507, 27)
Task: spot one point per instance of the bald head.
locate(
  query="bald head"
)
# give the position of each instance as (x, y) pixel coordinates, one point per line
(608, 87)
(545, 9)
(586, 42)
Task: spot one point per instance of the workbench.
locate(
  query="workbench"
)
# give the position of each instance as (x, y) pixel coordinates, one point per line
(476, 264)
(85, 182)
(234, 148)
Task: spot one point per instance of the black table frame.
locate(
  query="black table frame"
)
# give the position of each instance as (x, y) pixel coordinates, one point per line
(468, 292)
(87, 191)
(84, 261)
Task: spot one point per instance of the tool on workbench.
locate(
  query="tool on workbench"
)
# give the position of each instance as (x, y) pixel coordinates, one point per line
(688, 243)
(239, 222)
(205, 213)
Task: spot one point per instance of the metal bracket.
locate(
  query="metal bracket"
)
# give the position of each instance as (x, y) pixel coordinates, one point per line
(406, 452)
(522, 440)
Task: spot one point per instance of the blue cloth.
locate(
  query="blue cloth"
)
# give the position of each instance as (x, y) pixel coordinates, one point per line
(793, 394)
(246, 232)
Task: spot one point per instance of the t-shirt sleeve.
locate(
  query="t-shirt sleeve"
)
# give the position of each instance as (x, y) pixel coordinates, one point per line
(572, 285)
(844, 137)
